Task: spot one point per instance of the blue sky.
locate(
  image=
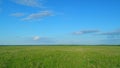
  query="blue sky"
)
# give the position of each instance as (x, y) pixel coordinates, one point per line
(59, 22)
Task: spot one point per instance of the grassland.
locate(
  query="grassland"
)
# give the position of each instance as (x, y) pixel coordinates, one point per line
(59, 56)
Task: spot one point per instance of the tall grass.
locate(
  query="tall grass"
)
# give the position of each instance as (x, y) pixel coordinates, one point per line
(59, 56)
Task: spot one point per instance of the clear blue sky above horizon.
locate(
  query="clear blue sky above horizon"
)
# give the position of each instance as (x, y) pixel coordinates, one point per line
(59, 22)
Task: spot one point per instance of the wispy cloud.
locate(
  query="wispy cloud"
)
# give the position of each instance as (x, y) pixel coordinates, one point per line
(116, 32)
(34, 15)
(111, 37)
(31, 3)
(38, 15)
(85, 32)
(17, 14)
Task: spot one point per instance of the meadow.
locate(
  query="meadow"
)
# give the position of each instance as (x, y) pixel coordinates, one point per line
(59, 56)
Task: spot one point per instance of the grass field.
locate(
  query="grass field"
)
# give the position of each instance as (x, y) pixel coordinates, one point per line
(59, 56)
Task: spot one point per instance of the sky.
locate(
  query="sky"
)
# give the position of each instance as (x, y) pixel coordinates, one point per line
(24, 22)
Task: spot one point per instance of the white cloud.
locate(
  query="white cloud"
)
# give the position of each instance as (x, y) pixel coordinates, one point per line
(38, 15)
(45, 40)
(35, 38)
(17, 14)
(31, 3)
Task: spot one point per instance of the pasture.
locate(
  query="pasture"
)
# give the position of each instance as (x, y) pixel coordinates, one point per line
(59, 56)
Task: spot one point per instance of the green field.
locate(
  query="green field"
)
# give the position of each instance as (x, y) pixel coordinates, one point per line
(59, 56)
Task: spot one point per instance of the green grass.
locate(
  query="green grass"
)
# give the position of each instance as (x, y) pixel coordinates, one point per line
(59, 56)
